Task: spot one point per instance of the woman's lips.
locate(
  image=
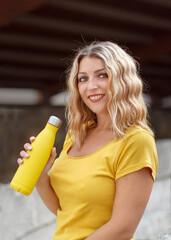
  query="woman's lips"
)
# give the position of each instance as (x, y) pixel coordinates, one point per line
(96, 97)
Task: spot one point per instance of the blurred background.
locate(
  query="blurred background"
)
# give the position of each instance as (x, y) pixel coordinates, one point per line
(38, 39)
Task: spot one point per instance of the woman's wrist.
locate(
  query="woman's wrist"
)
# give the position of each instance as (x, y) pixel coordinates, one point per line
(42, 178)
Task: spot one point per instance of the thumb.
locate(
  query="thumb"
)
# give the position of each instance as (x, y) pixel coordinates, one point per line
(53, 153)
(51, 159)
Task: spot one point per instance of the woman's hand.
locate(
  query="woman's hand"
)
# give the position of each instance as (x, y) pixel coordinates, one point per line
(25, 154)
(43, 185)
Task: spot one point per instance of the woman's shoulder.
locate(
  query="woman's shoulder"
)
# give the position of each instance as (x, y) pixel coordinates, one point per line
(137, 131)
(138, 151)
(139, 135)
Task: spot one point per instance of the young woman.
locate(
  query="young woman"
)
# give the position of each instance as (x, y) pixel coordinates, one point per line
(100, 184)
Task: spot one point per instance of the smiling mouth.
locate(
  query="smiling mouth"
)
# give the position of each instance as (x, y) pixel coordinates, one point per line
(97, 97)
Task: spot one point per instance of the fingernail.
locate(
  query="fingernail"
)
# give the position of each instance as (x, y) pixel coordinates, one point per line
(29, 148)
(26, 155)
(20, 161)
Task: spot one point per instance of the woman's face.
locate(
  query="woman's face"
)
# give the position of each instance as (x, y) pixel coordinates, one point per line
(92, 84)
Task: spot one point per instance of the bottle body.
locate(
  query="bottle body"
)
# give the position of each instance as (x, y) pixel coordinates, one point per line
(29, 172)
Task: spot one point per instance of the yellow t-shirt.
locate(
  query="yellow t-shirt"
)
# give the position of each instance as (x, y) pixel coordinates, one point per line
(85, 185)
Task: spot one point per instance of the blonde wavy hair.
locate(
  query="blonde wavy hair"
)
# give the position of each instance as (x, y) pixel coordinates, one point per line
(126, 105)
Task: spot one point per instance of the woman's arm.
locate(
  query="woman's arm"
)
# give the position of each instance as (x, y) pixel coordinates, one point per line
(132, 194)
(47, 194)
(44, 187)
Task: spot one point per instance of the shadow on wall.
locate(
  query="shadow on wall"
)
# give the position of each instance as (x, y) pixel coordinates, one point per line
(160, 120)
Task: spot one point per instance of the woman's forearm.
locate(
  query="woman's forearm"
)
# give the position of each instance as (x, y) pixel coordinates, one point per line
(47, 194)
(110, 231)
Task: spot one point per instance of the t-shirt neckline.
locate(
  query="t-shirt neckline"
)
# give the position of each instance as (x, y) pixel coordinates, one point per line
(91, 154)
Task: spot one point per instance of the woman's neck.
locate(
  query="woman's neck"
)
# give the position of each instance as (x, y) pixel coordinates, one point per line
(104, 122)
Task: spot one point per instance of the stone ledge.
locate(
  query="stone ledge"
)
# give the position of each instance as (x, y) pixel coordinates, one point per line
(166, 236)
(22, 215)
(157, 219)
(164, 156)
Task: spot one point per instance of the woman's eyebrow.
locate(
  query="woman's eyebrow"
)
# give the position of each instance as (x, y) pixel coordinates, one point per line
(99, 70)
(94, 71)
(82, 73)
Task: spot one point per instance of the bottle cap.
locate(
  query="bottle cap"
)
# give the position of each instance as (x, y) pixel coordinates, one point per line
(55, 121)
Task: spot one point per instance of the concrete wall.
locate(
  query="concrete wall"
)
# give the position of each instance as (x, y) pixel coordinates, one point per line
(26, 218)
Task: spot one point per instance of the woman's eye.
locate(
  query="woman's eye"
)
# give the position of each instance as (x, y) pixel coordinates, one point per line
(82, 79)
(103, 75)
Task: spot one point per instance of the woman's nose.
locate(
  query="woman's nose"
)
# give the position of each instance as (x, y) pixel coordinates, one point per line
(92, 84)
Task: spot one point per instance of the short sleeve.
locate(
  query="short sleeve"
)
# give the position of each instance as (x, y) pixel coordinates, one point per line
(139, 151)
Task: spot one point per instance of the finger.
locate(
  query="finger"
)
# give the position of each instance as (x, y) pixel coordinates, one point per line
(19, 161)
(23, 154)
(52, 155)
(27, 146)
(53, 152)
(32, 138)
(52, 158)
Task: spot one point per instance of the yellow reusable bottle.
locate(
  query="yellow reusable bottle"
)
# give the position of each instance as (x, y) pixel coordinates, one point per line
(29, 172)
